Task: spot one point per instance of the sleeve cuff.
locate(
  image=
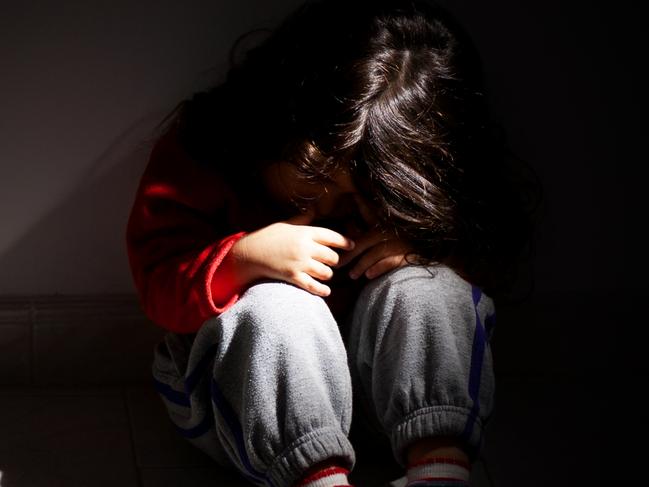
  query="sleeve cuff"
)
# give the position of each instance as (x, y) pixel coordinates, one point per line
(223, 247)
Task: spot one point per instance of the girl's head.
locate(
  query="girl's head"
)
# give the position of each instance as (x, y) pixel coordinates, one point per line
(390, 91)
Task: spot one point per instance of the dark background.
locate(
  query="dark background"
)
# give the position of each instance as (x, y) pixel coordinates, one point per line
(568, 80)
(83, 83)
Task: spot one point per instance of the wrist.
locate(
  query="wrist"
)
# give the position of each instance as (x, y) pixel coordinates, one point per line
(242, 268)
(232, 276)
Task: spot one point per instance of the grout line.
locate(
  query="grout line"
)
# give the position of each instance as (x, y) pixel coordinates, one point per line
(131, 432)
(32, 355)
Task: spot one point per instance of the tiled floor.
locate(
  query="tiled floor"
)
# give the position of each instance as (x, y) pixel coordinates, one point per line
(545, 432)
(54, 434)
(112, 436)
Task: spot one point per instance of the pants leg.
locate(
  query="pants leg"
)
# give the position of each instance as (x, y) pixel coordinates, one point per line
(268, 386)
(419, 355)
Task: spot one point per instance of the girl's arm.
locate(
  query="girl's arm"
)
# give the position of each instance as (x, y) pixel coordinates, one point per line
(188, 268)
(177, 240)
(291, 251)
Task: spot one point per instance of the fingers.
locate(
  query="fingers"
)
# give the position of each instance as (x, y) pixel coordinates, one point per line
(380, 259)
(308, 283)
(320, 271)
(326, 255)
(330, 238)
(368, 241)
(367, 260)
(308, 279)
(322, 235)
(385, 265)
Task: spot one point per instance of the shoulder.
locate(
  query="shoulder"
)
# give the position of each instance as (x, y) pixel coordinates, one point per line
(172, 174)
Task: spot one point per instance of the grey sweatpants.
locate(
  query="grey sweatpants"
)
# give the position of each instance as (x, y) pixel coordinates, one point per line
(266, 387)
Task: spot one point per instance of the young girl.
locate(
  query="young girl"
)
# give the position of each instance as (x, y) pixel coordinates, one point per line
(327, 228)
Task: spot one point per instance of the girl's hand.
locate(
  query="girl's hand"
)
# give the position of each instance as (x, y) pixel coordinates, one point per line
(293, 252)
(380, 253)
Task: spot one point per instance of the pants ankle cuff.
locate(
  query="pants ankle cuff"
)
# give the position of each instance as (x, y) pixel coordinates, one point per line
(307, 451)
(437, 421)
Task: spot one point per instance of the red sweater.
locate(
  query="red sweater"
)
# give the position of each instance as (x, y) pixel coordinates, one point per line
(176, 238)
(183, 222)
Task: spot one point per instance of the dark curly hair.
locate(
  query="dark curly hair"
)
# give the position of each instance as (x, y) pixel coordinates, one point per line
(394, 91)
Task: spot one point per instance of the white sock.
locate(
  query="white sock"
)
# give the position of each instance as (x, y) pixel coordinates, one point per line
(439, 470)
(329, 477)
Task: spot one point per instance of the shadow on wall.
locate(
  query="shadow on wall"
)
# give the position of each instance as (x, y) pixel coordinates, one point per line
(79, 246)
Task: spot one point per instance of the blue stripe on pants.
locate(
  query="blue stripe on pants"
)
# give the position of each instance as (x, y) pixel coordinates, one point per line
(477, 358)
(236, 431)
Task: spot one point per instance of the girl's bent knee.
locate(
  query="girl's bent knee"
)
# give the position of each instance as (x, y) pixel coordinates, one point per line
(282, 313)
(415, 279)
(414, 289)
(276, 299)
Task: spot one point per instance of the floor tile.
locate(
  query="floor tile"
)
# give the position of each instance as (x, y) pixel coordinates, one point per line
(156, 442)
(65, 441)
(545, 431)
(59, 391)
(77, 351)
(480, 476)
(15, 353)
(15, 340)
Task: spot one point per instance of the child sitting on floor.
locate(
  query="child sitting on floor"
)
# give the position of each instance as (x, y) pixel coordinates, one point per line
(328, 227)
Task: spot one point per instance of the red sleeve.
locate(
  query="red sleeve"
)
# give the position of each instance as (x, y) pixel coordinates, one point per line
(174, 242)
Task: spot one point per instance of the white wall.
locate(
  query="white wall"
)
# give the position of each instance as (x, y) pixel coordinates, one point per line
(82, 84)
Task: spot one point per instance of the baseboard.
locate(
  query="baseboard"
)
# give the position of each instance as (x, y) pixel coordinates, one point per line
(48, 340)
